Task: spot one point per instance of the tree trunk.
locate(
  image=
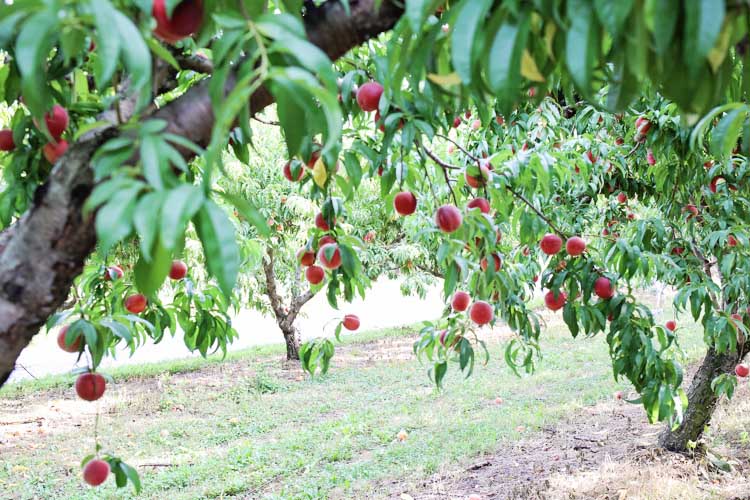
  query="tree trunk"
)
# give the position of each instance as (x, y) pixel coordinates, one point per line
(291, 337)
(701, 401)
(45, 250)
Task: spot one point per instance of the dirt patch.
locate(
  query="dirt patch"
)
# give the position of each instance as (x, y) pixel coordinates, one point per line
(607, 451)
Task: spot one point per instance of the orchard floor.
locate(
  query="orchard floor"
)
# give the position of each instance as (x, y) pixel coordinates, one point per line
(251, 427)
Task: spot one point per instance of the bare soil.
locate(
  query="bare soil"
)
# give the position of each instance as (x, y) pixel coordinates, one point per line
(607, 451)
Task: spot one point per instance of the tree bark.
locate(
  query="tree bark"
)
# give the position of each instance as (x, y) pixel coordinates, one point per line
(285, 317)
(701, 401)
(44, 251)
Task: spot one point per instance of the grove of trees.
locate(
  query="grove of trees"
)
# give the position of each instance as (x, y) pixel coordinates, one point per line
(589, 146)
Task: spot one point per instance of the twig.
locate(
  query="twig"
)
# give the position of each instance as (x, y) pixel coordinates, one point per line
(266, 122)
(463, 150)
(26, 370)
(444, 167)
(536, 210)
(195, 62)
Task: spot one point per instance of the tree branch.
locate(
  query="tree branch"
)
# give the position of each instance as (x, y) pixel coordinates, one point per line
(47, 247)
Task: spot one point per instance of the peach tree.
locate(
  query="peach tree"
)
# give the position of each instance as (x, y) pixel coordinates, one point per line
(123, 113)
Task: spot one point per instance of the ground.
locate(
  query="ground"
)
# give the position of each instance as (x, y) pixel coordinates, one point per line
(253, 427)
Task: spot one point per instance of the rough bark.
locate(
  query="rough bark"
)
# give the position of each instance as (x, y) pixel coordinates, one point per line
(701, 401)
(45, 252)
(46, 248)
(285, 317)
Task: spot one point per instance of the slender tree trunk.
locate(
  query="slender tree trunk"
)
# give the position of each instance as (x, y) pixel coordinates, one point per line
(291, 337)
(701, 401)
(285, 317)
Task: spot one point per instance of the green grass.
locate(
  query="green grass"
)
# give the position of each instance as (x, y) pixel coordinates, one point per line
(238, 429)
(125, 373)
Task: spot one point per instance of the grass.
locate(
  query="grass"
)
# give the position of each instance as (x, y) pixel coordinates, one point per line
(243, 428)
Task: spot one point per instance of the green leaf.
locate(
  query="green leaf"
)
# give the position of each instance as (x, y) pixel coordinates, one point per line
(32, 48)
(665, 23)
(467, 24)
(249, 211)
(216, 233)
(132, 475)
(581, 44)
(613, 15)
(504, 67)
(180, 205)
(416, 12)
(151, 160)
(146, 221)
(107, 42)
(703, 21)
(162, 52)
(724, 136)
(114, 220)
(149, 275)
(292, 119)
(136, 54)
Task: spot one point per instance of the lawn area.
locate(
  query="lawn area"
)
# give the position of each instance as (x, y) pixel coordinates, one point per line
(249, 428)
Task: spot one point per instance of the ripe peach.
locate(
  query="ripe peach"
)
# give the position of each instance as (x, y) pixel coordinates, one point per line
(368, 96)
(555, 303)
(321, 223)
(482, 204)
(448, 218)
(6, 140)
(575, 246)
(306, 257)
(95, 472)
(136, 304)
(496, 258)
(457, 122)
(603, 288)
(731, 241)
(671, 325)
(315, 274)
(622, 197)
(481, 313)
(54, 150)
(90, 386)
(742, 370)
(351, 322)
(714, 184)
(113, 272)
(405, 203)
(178, 270)
(476, 124)
(287, 171)
(650, 157)
(460, 301)
(550, 244)
(332, 262)
(57, 121)
(74, 346)
(484, 175)
(325, 240)
(186, 19)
